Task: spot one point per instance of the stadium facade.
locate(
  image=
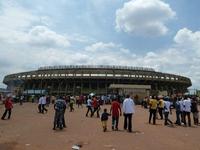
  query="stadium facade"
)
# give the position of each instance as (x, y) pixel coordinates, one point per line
(84, 79)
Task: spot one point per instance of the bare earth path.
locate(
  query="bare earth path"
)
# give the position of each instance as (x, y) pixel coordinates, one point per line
(29, 130)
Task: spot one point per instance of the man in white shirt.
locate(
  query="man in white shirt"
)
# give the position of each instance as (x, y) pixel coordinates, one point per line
(89, 106)
(128, 110)
(40, 104)
(167, 110)
(43, 104)
(187, 110)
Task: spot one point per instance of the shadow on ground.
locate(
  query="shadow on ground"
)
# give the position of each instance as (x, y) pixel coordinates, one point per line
(8, 146)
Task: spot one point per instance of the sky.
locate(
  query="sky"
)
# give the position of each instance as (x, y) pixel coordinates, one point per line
(160, 34)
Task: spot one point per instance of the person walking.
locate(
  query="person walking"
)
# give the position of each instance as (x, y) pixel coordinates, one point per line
(80, 101)
(8, 108)
(128, 111)
(160, 107)
(71, 103)
(21, 99)
(152, 109)
(115, 111)
(104, 119)
(40, 104)
(96, 106)
(89, 106)
(44, 102)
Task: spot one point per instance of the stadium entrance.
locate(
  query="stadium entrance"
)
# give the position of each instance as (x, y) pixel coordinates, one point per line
(139, 92)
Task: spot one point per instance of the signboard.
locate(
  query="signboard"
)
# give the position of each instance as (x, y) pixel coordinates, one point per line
(29, 92)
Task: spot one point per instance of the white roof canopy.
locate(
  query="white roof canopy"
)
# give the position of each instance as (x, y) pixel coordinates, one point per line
(129, 86)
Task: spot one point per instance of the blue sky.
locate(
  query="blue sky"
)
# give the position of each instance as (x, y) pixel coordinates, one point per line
(161, 34)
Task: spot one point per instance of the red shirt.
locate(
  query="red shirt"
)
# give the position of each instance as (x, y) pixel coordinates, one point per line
(95, 103)
(115, 109)
(8, 103)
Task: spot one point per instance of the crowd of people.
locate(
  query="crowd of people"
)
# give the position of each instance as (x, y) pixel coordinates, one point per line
(162, 106)
(159, 108)
(128, 108)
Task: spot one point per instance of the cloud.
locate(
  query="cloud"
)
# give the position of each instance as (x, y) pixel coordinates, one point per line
(80, 38)
(19, 25)
(177, 59)
(108, 53)
(27, 42)
(144, 17)
(124, 50)
(188, 40)
(15, 17)
(42, 36)
(181, 58)
(101, 47)
(14, 21)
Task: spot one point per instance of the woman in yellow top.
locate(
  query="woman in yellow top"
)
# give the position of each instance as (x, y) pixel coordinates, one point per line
(153, 103)
(160, 107)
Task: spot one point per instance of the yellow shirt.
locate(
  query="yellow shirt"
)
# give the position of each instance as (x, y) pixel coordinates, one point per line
(161, 103)
(153, 104)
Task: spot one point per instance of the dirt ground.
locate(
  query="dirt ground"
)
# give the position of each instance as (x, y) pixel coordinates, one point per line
(29, 130)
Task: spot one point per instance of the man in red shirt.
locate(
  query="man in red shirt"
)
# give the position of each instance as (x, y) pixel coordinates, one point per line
(115, 111)
(8, 108)
(96, 106)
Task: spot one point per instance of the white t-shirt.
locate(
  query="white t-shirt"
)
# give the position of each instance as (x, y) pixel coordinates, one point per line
(181, 105)
(44, 100)
(89, 102)
(167, 105)
(187, 105)
(40, 100)
(128, 106)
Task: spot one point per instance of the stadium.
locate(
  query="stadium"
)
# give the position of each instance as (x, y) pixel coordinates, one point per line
(99, 79)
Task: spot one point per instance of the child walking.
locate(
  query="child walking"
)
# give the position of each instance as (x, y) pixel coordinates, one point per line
(104, 119)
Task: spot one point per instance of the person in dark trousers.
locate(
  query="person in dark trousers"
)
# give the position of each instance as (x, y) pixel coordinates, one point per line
(160, 107)
(96, 106)
(128, 111)
(187, 110)
(167, 110)
(115, 110)
(80, 101)
(178, 111)
(21, 99)
(44, 102)
(8, 108)
(71, 104)
(195, 111)
(152, 109)
(40, 105)
(89, 106)
(59, 119)
(104, 119)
